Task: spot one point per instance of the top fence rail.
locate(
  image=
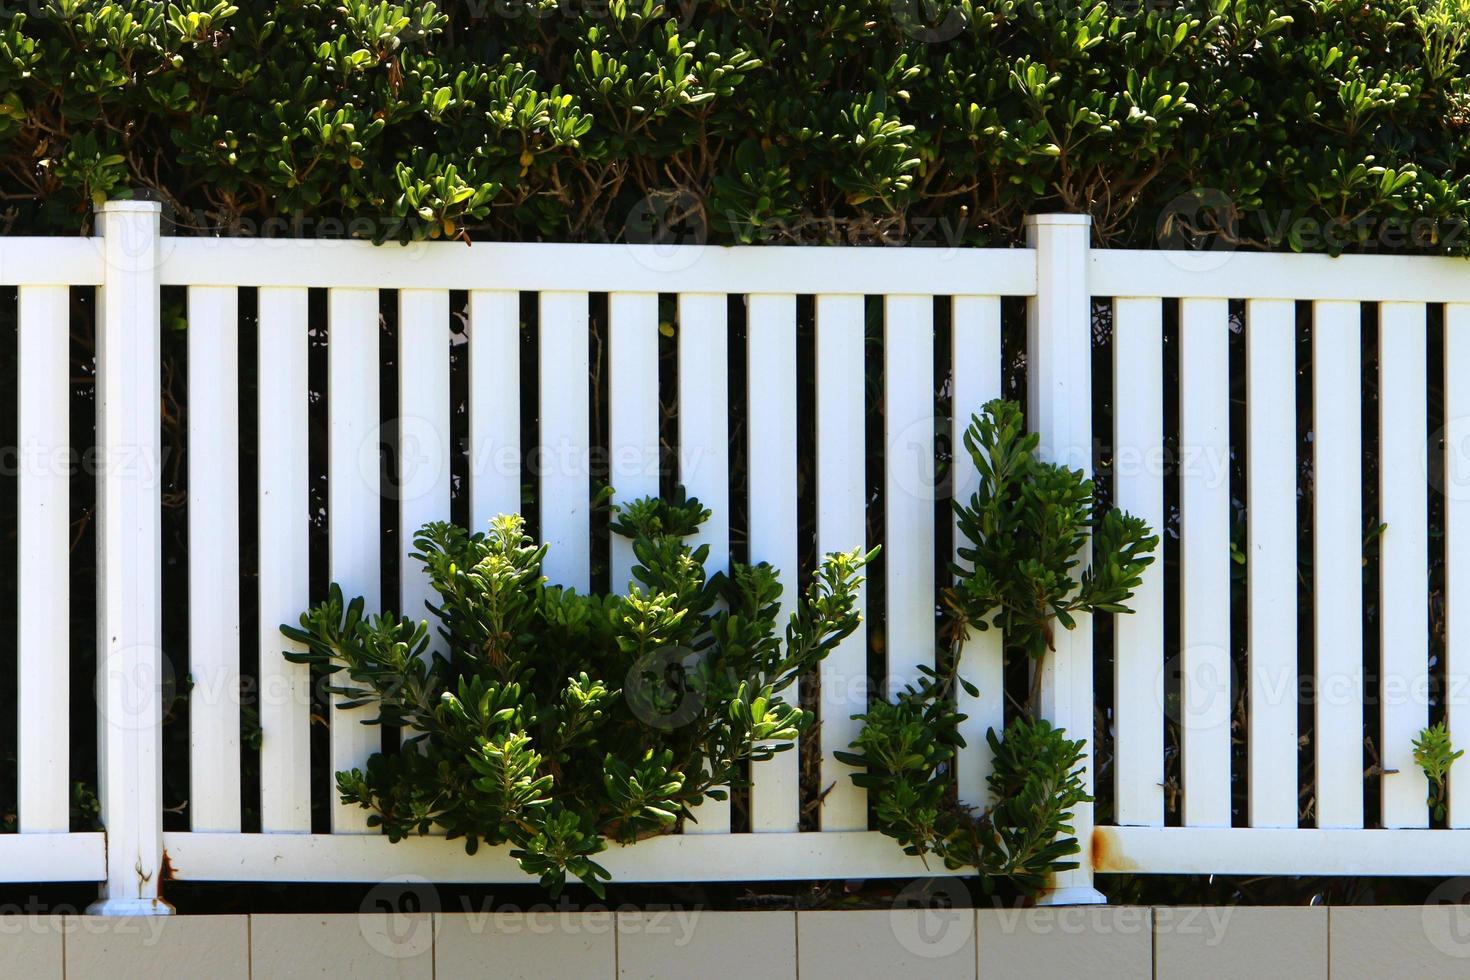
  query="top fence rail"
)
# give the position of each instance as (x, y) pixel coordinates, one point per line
(538, 267)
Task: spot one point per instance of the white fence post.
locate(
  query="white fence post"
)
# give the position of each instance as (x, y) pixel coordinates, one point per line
(1059, 409)
(129, 629)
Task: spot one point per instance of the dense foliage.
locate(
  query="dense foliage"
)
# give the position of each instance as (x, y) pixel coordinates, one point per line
(1026, 525)
(554, 720)
(1315, 124)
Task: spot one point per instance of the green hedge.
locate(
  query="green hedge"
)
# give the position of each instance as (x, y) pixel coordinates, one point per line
(1309, 124)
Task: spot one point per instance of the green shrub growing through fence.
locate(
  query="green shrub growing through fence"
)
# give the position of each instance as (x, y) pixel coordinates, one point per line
(1026, 525)
(1434, 754)
(555, 721)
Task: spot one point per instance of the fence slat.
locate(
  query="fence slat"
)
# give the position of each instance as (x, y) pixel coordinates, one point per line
(632, 412)
(976, 359)
(704, 463)
(1404, 554)
(43, 545)
(495, 405)
(1337, 561)
(353, 505)
(775, 795)
(1205, 696)
(214, 558)
(424, 439)
(1455, 484)
(908, 488)
(566, 495)
(841, 526)
(283, 488)
(1138, 487)
(1271, 563)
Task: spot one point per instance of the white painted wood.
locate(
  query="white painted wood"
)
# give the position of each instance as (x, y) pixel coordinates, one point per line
(908, 489)
(566, 490)
(1204, 492)
(283, 540)
(704, 457)
(1337, 562)
(1455, 485)
(43, 546)
(1138, 488)
(633, 413)
(841, 526)
(495, 405)
(424, 441)
(52, 261)
(1059, 400)
(1276, 851)
(129, 559)
(675, 857)
(353, 509)
(976, 360)
(425, 446)
(214, 558)
(1277, 275)
(547, 267)
(1403, 504)
(36, 857)
(1271, 561)
(771, 473)
(134, 262)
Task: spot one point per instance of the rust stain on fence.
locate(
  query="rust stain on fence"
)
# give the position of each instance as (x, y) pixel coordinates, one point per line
(1107, 853)
(166, 872)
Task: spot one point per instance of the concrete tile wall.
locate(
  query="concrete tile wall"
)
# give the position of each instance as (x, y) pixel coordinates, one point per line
(1097, 943)
(525, 946)
(694, 946)
(1085, 942)
(157, 947)
(1241, 943)
(844, 945)
(1425, 942)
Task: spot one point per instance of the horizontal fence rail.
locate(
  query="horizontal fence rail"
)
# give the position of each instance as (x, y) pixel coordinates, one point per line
(472, 364)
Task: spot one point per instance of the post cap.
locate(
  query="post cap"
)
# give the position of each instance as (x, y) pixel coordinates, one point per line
(1074, 220)
(130, 207)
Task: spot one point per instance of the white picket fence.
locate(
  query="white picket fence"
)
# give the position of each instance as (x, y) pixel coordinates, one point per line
(1058, 275)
